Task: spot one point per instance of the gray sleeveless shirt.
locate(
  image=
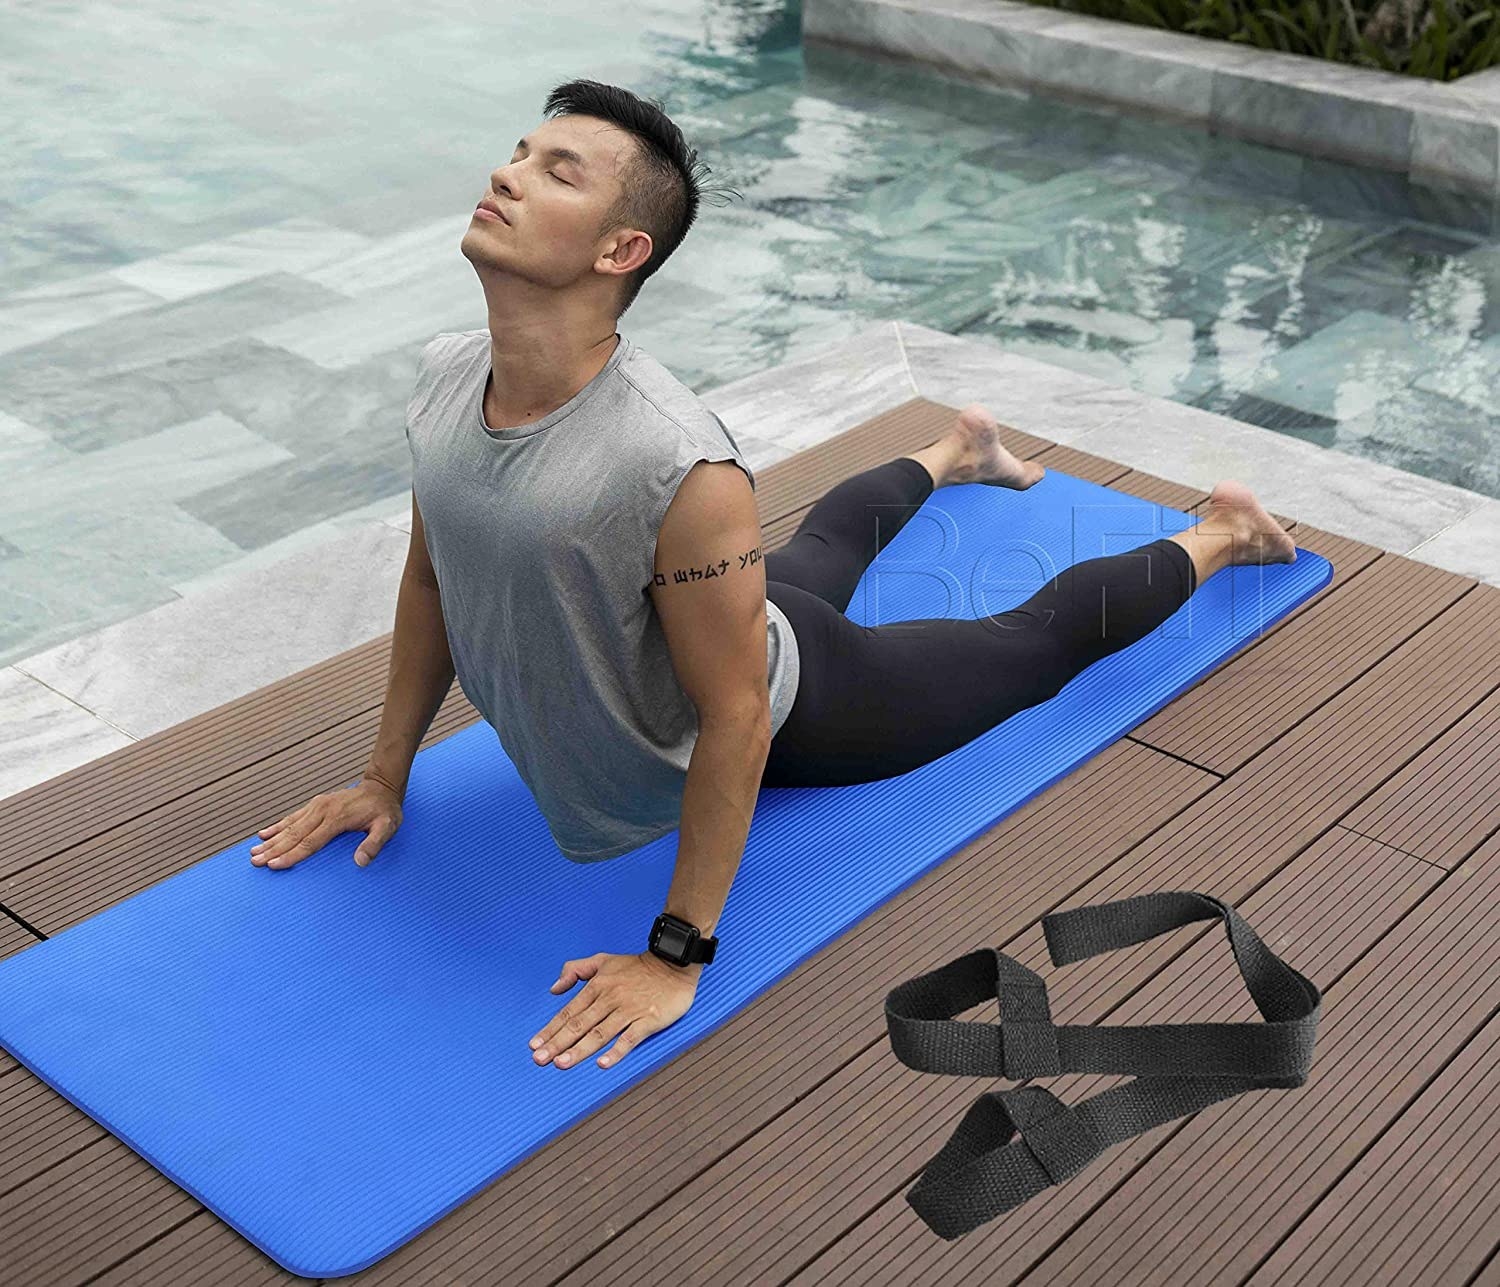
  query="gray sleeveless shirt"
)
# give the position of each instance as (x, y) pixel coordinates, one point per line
(543, 539)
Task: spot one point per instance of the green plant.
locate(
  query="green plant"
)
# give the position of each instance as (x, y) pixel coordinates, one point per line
(1434, 39)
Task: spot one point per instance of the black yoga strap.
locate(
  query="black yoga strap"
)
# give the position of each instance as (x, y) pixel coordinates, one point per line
(1180, 1067)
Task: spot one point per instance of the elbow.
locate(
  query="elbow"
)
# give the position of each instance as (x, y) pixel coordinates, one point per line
(748, 718)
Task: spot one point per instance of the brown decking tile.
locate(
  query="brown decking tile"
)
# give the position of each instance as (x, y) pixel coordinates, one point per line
(1410, 1211)
(86, 1212)
(822, 1237)
(1242, 707)
(1445, 800)
(1225, 1189)
(1407, 724)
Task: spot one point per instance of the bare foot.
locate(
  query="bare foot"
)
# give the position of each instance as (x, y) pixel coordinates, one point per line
(982, 458)
(1255, 537)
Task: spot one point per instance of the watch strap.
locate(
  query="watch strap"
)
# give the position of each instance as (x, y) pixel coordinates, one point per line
(698, 950)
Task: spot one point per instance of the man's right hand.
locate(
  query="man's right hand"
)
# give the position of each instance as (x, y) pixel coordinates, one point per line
(369, 806)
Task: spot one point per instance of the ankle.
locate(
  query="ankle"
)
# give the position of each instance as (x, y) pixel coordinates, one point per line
(944, 460)
(1208, 551)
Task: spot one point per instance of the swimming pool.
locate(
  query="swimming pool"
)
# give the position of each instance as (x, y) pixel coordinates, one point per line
(229, 231)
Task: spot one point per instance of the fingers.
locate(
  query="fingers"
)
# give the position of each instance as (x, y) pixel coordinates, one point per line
(380, 832)
(625, 1044)
(273, 835)
(574, 1036)
(293, 845)
(572, 971)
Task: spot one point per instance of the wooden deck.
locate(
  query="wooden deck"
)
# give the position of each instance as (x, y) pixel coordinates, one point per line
(1338, 781)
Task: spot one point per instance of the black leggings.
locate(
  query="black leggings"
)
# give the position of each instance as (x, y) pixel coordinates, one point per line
(876, 701)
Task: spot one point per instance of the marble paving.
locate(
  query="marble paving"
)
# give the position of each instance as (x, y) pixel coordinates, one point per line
(204, 366)
(338, 583)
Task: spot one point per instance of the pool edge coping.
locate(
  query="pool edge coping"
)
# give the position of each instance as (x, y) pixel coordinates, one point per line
(1442, 134)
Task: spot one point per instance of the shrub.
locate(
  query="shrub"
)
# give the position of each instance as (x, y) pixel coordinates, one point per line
(1435, 39)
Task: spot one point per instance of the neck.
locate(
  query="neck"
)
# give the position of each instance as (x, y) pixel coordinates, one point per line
(526, 385)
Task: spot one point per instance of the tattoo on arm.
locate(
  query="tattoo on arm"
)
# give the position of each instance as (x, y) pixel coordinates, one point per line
(681, 576)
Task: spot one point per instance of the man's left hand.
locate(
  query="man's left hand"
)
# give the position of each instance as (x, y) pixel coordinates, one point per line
(629, 996)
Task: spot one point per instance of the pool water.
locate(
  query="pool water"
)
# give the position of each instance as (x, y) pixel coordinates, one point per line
(229, 230)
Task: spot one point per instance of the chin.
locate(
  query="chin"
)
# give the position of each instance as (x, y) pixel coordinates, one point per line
(474, 246)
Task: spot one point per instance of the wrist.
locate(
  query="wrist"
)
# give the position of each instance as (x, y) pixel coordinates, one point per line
(374, 775)
(679, 944)
(688, 971)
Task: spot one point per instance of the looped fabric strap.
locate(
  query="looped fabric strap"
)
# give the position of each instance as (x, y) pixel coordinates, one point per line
(1180, 1068)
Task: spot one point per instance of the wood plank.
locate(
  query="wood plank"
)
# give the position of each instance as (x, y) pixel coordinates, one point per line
(86, 801)
(1447, 799)
(1167, 860)
(846, 1155)
(1393, 1024)
(1236, 712)
(85, 1213)
(1420, 1206)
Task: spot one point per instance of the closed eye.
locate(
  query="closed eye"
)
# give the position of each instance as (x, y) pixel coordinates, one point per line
(563, 181)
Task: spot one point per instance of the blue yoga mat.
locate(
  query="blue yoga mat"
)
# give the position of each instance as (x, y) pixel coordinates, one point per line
(330, 1058)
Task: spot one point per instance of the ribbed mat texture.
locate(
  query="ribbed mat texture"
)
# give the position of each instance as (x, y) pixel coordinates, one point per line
(330, 1058)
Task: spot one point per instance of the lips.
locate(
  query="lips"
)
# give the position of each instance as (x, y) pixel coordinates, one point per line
(493, 209)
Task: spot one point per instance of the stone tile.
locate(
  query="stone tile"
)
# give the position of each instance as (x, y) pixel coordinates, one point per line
(1086, 59)
(43, 734)
(283, 398)
(344, 333)
(283, 498)
(1469, 376)
(1470, 546)
(1037, 397)
(292, 245)
(39, 313)
(36, 251)
(1343, 188)
(188, 656)
(948, 35)
(393, 511)
(20, 439)
(1481, 87)
(1359, 498)
(826, 390)
(59, 592)
(1428, 434)
(55, 500)
(161, 331)
(1449, 145)
(427, 249)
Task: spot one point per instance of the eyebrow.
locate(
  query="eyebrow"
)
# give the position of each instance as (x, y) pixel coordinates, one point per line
(562, 153)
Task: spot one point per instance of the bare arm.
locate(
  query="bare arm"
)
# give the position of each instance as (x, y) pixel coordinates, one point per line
(715, 627)
(421, 670)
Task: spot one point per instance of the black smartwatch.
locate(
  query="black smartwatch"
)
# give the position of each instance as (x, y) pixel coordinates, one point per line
(673, 939)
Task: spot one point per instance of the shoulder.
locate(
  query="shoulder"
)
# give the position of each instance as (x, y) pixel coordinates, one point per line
(689, 429)
(444, 353)
(443, 349)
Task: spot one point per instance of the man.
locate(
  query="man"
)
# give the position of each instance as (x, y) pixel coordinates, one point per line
(585, 558)
(589, 205)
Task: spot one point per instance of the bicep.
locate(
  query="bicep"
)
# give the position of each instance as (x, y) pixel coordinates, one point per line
(418, 559)
(709, 589)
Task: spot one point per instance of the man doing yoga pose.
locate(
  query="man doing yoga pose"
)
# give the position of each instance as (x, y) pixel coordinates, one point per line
(586, 560)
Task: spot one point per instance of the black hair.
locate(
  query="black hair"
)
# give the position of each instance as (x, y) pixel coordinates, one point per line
(660, 187)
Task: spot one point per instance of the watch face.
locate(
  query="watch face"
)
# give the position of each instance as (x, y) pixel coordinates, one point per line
(670, 939)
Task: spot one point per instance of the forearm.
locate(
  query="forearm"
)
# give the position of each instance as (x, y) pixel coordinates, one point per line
(421, 672)
(723, 782)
